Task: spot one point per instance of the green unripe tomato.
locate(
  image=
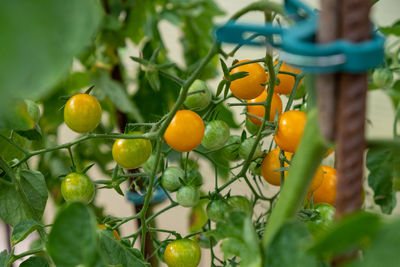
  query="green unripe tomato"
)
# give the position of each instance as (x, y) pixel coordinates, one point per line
(216, 135)
(240, 204)
(382, 78)
(33, 110)
(206, 241)
(77, 187)
(198, 101)
(170, 178)
(245, 148)
(161, 250)
(149, 164)
(255, 168)
(188, 196)
(324, 220)
(231, 148)
(217, 209)
(251, 127)
(131, 153)
(194, 177)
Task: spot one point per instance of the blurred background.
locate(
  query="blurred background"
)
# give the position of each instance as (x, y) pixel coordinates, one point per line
(380, 119)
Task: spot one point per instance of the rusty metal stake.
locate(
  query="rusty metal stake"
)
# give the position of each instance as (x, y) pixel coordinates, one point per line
(355, 27)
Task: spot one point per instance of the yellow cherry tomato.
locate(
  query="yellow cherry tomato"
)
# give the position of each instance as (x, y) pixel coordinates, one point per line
(259, 110)
(271, 163)
(290, 130)
(82, 113)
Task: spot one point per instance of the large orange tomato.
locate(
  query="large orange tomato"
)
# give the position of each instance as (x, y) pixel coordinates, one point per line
(259, 110)
(252, 85)
(185, 131)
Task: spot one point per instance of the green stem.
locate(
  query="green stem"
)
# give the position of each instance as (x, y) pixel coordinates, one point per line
(24, 254)
(259, 6)
(309, 154)
(396, 119)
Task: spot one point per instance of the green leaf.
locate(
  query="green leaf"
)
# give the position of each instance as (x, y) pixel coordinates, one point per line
(23, 229)
(349, 233)
(9, 151)
(32, 134)
(289, 247)
(35, 262)
(136, 17)
(116, 253)
(33, 190)
(225, 114)
(153, 79)
(4, 258)
(73, 240)
(384, 249)
(224, 68)
(242, 239)
(50, 55)
(116, 93)
(220, 87)
(381, 164)
(392, 30)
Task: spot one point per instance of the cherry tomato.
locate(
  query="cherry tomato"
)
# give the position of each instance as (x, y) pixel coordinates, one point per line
(182, 253)
(216, 135)
(82, 113)
(170, 178)
(382, 78)
(206, 241)
(217, 209)
(115, 233)
(188, 196)
(131, 153)
(77, 187)
(200, 100)
(240, 204)
(245, 148)
(148, 165)
(194, 177)
(259, 110)
(323, 221)
(290, 130)
(252, 85)
(161, 250)
(286, 81)
(271, 163)
(231, 149)
(185, 131)
(317, 179)
(326, 192)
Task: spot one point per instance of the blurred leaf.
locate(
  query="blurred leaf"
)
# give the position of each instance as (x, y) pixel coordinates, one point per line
(392, 30)
(384, 248)
(351, 232)
(32, 134)
(153, 79)
(9, 151)
(225, 114)
(35, 262)
(381, 164)
(116, 93)
(73, 240)
(136, 17)
(116, 253)
(242, 239)
(289, 247)
(32, 65)
(12, 209)
(23, 229)
(4, 258)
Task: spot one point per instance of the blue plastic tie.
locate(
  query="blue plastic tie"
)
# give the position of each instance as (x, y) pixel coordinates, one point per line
(298, 47)
(138, 199)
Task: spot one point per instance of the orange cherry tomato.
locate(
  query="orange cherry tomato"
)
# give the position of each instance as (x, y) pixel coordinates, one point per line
(271, 163)
(252, 85)
(259, 110)
(286, 81)
(326, 192)
(185, 132)
(290, 130)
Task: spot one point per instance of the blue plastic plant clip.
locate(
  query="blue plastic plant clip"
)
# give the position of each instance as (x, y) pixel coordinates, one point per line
(298, 47)
(138, 199)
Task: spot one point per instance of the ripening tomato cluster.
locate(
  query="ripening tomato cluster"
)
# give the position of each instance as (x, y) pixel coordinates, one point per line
(186, 131)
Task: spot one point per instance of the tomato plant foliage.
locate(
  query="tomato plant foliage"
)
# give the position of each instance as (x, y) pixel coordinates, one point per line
(154, 124)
